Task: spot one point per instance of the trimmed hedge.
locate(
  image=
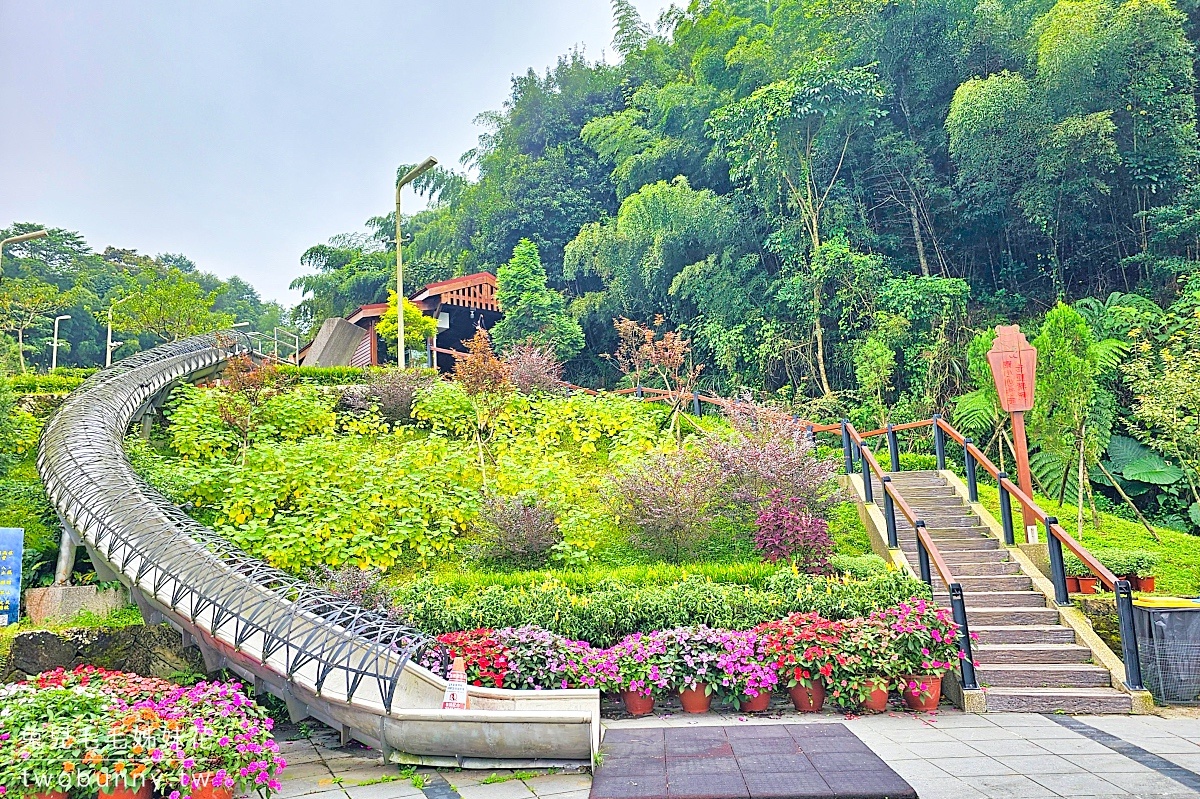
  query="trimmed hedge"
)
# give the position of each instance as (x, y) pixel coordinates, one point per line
(611, 609)
(55, 383)
(324, 375)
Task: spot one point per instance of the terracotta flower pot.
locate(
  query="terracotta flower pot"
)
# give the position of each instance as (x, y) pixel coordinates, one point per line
(922, 691)
(119, 790)
(1087, 585)
(637, 704)
(808, 700)
(877, 698)
(1145, 584)
(1072, 585)
(755, 704)
(695, 700)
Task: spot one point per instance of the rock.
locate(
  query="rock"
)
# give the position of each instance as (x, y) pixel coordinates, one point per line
(155, 651)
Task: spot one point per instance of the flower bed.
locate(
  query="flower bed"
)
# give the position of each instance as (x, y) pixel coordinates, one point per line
(90, 730)
(900, 648)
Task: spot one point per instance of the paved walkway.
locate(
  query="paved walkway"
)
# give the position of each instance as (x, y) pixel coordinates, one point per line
(948, 755)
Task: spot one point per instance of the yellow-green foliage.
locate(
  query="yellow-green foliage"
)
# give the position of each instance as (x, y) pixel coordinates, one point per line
(1178, 553)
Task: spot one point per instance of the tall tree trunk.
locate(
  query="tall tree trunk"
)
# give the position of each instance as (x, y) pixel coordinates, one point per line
(916, 225)
(21, 348)
(819, 332)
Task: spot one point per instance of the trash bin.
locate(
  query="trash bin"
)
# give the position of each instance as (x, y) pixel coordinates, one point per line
(1168, 638)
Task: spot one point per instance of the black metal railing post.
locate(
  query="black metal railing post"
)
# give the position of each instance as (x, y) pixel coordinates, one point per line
(889, 515)
(1129, 646)
(696, 409)
(846, 449)
(638, 393)
(972, 483)
(1058, 569)
(868, 491)
(893, 448)
(939, 442)
(922, 554)
(812, 435)
(958, 607)
(1006, 517)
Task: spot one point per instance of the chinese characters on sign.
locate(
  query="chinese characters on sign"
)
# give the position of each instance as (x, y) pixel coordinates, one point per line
(1014, 368)
(11, 541)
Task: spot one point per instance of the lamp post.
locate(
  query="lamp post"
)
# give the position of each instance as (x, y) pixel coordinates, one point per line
(36, 234)
(110, 344)
(54, 347)
(412, 175)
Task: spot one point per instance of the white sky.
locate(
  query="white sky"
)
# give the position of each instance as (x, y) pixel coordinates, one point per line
(241, 132)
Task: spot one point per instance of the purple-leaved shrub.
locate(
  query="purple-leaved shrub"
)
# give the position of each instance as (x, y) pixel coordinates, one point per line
(785, 530)
(521, 529)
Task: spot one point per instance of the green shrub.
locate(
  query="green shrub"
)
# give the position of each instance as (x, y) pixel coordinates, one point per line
(860, 567)
(1140, 562)
(324, 375)
(611, 610)
(54, 383)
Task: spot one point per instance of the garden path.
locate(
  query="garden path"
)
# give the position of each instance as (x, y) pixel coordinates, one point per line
(947, 755)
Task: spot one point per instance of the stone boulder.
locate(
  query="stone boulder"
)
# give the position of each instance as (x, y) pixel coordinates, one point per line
(152, 651)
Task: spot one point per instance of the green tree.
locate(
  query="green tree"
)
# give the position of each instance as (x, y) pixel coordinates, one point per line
(417, 326)
(533, 312)
(170, 308)
(24, 303)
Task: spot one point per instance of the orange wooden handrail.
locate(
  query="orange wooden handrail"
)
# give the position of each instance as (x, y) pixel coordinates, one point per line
(898, 428)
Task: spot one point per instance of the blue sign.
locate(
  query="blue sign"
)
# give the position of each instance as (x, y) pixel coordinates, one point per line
(11, 544)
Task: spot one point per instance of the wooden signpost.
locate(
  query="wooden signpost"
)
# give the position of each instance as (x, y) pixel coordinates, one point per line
(1014, 368)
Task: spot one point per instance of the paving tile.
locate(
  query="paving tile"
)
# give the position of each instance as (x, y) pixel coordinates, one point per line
(610, 786)
(510, 789)
(631, 766)
(970, 766)
(1008, 786)
(699, 748)
(396, 789)
(943, 749)
(870, 782)
(1188, 761)
(1167, 746)
(1076, 784)
(991, 733)
(773, 763)
(584, 794)
(1039, 764)
(1144, 783)
(755, 746)
(555, 784)
(786, 786)
(306, 788)
(707, 786)
(892, 752)
(1071, 744)
(947, 788)
(1094, 764)
(1017, 747)
(688, 767)
(310, 771)
(359, 774)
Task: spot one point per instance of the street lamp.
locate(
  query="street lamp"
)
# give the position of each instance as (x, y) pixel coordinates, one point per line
(111, 345)
(240, 324)
(54, 348)
(36, 234)
(412, 175)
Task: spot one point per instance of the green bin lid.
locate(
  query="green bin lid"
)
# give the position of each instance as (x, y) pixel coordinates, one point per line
(1168, 603)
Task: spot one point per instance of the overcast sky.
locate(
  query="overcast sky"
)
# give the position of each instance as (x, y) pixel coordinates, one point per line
(241, 132)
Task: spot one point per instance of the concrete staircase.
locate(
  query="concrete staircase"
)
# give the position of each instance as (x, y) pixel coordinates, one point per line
(1028, 659)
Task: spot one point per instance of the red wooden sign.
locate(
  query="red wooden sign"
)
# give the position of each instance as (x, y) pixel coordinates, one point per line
(1014, 368)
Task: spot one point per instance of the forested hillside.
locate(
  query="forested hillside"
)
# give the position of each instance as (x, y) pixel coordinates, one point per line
(153, 299)
(836, 201)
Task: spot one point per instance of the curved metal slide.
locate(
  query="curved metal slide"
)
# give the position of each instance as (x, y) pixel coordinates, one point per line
(325, 657)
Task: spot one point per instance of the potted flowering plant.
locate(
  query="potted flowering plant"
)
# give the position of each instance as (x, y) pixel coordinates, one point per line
(692, 654)
(925, 639)
(803, 650)
(866, 665)
(539, 659)
(747, 672)
(486, 658)
(42, 747)
(639, 667)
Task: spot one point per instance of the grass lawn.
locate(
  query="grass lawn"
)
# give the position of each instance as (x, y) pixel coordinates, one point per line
(1179, 553)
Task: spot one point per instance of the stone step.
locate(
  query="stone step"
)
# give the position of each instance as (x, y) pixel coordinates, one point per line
(995, 599)
(947, 520)
(982, 616)
(953, 544)
(976, 569)
(924, 494)
(1058, 700)
(978, 585)
(1043, 675)
(995, 634)
(1031, 653)
(972, 555)
(944, 531)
